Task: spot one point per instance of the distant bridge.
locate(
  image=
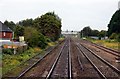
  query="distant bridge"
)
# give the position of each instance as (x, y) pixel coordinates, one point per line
(71, 33)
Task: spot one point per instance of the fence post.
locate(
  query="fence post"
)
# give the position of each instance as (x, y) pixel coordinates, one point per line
(14, 51)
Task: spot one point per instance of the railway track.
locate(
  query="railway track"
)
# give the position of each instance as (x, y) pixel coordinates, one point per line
(99, 72)
(63, 57)
(37, 60)
(116, 53)
(108, 50)
(113, 67)
(104, 69)
(62, 65)
(70, 60)
(81, 67)
(110, 56)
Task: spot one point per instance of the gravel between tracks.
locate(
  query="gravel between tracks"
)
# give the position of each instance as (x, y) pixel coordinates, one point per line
(61, 68)
(106, 70)
(107, 56)
(42, 68)
(88, 72)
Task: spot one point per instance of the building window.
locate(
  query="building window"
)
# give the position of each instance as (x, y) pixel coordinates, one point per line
(3, 33)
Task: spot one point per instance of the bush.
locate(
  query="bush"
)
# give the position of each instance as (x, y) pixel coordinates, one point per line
(118, 37)
(48, 40)
(113, 36)
(8, 51)
(42, 42)
(34, 38)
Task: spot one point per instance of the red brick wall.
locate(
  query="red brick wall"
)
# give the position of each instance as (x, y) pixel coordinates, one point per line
(7, 35)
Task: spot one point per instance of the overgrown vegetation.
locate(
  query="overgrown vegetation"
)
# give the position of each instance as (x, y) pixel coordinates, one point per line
(11, 61)
(8, 51)
(34, 38)
(114, 26)
(113, 33)
(38, 33)
(114, 44)
(48, 24)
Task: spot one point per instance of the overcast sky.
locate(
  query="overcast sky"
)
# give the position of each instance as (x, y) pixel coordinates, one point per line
(75, 14)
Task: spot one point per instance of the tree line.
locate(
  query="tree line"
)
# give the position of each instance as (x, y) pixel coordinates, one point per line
(37, 31)
(114, 26)
(113, 31)
(87, 32)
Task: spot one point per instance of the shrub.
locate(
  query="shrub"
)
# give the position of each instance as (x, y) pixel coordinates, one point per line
(113, 36)
(8, 51)
(48, 40)
(34, 38)
(42, 42)
(118, 37)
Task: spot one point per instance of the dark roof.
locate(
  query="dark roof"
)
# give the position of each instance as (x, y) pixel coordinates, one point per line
(4, 28)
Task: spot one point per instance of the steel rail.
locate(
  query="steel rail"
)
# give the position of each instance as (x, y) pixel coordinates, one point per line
(107, 50)
(78, 58)
(96, 68)
(103, 60)
(80, 63)
(55, 63)
(23, 73)
(103, 46)
(70, 66)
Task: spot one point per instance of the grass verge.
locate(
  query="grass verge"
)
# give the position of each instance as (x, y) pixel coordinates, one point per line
(11, 61)
(114, 44)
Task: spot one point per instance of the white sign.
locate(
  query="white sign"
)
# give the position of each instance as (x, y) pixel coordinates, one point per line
(21, 38)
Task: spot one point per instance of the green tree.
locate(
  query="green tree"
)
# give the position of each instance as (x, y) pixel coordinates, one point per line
(94, 33)
(49, 25)
(102, 34)
(27, 22)
(10, 24)
(114, 25)
(34, 38)
(86, 31)
(113, 36)
(19, 31)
